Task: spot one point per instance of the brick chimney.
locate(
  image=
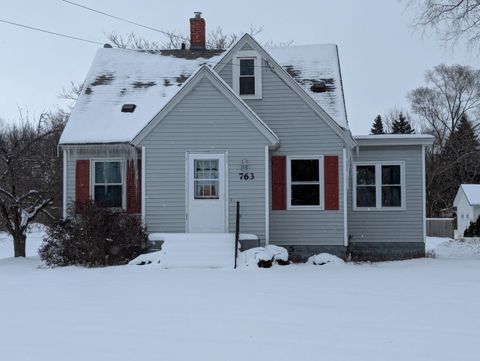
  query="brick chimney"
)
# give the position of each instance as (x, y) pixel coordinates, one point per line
(197, 32)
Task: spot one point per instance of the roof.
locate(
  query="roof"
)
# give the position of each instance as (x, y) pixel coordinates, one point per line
(394, 139)
(317, 69)
(150, 79)
(119, 76)
(472, 193)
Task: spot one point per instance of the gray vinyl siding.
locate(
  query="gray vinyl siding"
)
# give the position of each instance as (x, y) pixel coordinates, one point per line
(203, 121)
(391, 226)
(301, 132)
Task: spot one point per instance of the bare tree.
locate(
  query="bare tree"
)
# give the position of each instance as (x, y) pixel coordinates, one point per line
(72, 92)
(28, 175)
(453, 19)
(451, 92)
(216, 39)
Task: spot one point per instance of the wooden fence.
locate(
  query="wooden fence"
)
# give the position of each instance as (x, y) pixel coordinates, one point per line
(440, 227)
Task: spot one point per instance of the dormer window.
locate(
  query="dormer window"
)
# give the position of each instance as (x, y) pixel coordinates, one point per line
(247, 75)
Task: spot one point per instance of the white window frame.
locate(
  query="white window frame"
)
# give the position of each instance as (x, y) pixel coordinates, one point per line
(378, 186)
(122, 172)
(321, 182)
(257, 73)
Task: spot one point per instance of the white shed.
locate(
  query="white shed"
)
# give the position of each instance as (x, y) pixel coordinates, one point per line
(467, 202)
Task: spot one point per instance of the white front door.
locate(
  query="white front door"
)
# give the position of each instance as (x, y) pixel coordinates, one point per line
(206, 193)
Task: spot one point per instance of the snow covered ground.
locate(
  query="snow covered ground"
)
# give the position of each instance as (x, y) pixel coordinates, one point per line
(426, 309)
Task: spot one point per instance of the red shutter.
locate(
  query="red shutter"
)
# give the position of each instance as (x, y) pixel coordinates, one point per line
(331, 182)
(279, 183)
(134, 185)
(82, 181)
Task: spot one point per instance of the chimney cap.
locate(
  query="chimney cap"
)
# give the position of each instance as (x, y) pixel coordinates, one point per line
(198, 14)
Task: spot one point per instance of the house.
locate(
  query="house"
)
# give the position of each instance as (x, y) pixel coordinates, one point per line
(467, 203)
(179, 136)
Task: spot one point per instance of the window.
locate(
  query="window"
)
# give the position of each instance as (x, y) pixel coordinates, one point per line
(247, 75)
(305, 182)
(108, 183)
(206, 179)
(379, 185)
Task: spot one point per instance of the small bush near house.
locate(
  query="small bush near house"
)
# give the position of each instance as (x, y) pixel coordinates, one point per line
(94, 237)
(473, 229)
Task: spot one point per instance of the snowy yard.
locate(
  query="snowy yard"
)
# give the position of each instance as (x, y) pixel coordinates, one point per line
(427, 309)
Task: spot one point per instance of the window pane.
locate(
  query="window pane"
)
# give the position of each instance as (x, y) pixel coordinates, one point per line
(109, 196)
(247, 85)
(305, 195)
(391, 196)
(390, 174)
(206, 189)
(305, 170)
(366, 175)
(366, 196)
(108, 172)
(247, 67)
(206, 168)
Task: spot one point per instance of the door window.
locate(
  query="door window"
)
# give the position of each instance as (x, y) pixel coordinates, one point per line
(206, 179)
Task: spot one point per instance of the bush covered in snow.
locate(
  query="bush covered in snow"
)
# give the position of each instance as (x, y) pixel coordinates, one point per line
(263, 257)
(473, 230)
(325, 258)
(94, 237)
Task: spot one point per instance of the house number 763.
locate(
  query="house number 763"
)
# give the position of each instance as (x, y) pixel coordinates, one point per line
(247, 176)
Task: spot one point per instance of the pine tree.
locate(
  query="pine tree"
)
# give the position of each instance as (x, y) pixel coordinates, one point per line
(402, 125)
(460, 159)
(377, 127)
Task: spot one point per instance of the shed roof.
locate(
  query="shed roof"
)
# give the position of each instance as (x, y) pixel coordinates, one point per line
(472, 193)
(149, 79)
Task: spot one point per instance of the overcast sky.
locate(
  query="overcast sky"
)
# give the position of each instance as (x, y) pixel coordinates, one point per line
(382, 58)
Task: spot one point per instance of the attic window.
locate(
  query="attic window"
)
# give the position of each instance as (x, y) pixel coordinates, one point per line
(247, 75)
(128, 108)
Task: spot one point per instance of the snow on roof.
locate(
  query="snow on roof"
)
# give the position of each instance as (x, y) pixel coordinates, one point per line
(472, 193)
(317, 69)
(394, 139)
(117, 77)
(150, 79)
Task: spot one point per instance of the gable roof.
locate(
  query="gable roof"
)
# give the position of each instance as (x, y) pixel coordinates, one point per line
(340, 129)
(150, 79)
(206, 72)
(471, 192)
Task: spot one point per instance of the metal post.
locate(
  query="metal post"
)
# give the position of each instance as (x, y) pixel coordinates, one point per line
(237, 232)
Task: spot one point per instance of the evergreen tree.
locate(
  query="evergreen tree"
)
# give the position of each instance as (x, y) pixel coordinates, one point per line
(377, 127)
(402, 125)
(460, 160)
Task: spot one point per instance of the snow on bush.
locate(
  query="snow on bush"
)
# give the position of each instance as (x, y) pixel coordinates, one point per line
(147, 258)
(325, 258)
(262, 257)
